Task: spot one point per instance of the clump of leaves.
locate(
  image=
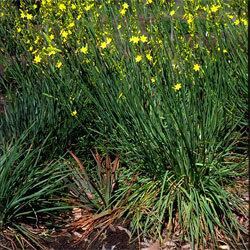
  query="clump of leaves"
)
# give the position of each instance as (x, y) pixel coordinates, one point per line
(94, 193)
(95, 190)
(204, 214)
(27, 187)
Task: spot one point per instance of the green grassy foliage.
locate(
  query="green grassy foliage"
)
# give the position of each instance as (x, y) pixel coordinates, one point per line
(27, 187)
(163, 85)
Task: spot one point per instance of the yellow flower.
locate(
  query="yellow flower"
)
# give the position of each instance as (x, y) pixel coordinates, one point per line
(37, 59)
(237, 22)
(189, 17)
(134, 39)
(149, 57)
(119, 26)
(143, 38)
(153, 80)
(230, 16)
(103, 45)
(51, 37)
(149, 1)
(108, 40)
(73, 6)
(196, 67)
(125, 6)
(84, 49)
(123, 11)
(22, 14)
(29, 16)
(215, 8)
(224, 51)
(71, 25)
(138, 58)
(244, 21)
(177, 86)
(59, 64)
(62, 7)
(19, 30)
(74, 113)
(172, 12)
(64, 34)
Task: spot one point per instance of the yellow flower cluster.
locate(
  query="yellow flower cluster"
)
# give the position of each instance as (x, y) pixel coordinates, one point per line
(124, 9)
(106, 43)
(137, 39)
(84, 28)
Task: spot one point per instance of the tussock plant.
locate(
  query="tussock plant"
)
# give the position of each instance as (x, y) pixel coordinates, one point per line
(95, 194)
(26, 189)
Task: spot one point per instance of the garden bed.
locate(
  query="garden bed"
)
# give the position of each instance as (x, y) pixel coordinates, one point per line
(123, 111)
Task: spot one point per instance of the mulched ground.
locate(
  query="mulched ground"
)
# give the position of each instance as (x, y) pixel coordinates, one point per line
(117, 237)
(109, 240)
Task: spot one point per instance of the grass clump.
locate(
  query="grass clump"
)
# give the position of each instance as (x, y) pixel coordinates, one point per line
(27, 188)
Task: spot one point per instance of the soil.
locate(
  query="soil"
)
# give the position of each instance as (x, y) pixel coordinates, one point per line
(109, 240)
